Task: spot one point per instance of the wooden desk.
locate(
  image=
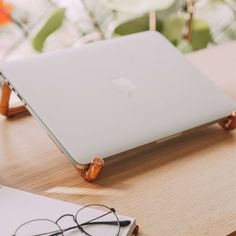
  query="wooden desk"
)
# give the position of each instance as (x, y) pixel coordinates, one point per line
(184, 187)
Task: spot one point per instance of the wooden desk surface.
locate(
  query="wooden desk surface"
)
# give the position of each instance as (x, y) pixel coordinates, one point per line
(184, 187)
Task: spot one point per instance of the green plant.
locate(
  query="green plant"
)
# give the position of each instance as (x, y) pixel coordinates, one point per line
(188, 24)
(176, 17)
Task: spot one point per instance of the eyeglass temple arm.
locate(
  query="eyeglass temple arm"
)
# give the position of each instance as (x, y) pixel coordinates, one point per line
(123, 223)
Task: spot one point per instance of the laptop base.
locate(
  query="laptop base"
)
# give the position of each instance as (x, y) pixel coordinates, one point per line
(91, 171)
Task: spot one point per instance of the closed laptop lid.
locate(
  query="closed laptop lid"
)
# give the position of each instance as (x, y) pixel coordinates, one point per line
(110, 96)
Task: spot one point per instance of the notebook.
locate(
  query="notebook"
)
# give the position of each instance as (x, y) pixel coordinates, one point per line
(18, 207)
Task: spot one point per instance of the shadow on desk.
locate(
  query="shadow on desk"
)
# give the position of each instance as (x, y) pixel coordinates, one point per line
(151, 157)
(38, 166)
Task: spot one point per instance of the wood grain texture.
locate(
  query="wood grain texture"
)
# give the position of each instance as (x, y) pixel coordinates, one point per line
(184, 187)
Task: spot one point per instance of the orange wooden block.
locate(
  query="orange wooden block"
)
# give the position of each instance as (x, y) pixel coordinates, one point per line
(91, 171)
(5, 108)
(229, 123)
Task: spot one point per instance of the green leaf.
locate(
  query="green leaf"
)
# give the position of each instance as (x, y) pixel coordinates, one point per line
(201, 35)
(173, 29)
(133, 26)
(53, 23)
(136, 25)
(139, 6)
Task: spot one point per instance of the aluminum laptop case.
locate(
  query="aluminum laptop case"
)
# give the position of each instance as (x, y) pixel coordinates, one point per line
(107, 97)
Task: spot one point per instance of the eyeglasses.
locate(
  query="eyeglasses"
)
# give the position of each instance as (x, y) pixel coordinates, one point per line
(92, 220)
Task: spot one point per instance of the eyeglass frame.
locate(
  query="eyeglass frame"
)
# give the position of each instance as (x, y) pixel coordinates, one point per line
(121, 223)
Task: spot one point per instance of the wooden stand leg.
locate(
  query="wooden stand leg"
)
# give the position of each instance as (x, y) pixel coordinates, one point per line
(91, 171)
(5, 108)
(230, 122)
(136, 229)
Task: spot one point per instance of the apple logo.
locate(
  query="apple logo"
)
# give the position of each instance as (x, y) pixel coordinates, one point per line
(125, 85)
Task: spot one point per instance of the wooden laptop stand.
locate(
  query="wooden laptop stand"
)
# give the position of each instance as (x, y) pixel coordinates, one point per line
(91, 171)
(5, 108)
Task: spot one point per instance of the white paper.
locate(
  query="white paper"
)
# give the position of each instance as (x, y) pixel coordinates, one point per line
(17, 207)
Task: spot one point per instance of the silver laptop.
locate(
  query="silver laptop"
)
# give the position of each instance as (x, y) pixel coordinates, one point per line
(107, 97)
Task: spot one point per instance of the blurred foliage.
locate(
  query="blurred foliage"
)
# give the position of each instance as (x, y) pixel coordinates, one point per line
(67, 23)
(172, 20)
(213, 19)
(139, 6)
(214, 22)
(174, 27)
(185, 46)
(136, 25)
